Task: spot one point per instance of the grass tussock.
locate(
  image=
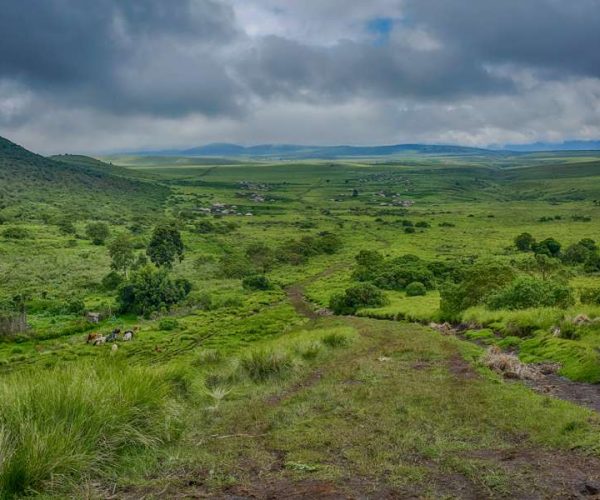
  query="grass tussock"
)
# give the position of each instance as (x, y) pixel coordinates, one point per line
(335, 340)
(58, 426)
(263, 364)
(508, 364)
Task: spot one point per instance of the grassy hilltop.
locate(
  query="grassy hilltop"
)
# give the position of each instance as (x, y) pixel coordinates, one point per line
(241, 382)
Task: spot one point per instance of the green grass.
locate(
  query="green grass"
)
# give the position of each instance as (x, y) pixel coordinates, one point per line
(62, 425)
(249, 383)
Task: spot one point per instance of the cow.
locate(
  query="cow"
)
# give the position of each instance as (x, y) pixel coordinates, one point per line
(99, 340)
(128, 335)
(114, 335)
(92, 337)
(114, 348)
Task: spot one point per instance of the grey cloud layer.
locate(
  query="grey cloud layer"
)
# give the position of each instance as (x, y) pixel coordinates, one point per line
(231, 59)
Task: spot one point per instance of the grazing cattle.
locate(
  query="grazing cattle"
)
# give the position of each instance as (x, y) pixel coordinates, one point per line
(99, 340)
(114, 335)
(128, 335)
(92, 337)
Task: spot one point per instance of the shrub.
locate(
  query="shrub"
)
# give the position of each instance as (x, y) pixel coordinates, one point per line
(416, 288)
(75, 305)
(409, 230)
(261, 256)
(257, 282)
(524, 242)
(262, 364)
(549, 247)
(527, 291)
(577, 254)
(370, 259)
(151, 290)
(363, 295)
(590, 296)
(98, 232)
(235, 266)
(112, 281)
(16, 233)
(397, 273)
(67, 424)
(477, 283)
(65, 226)
(168, 324)
(423, 223)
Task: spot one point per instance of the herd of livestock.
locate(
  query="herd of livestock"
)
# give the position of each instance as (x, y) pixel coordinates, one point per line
(99, 339)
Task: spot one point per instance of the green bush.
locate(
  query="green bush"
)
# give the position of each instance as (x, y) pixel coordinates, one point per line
(112, 281)
(98, 232)
(236, 266)
(355, 297)
(150, 290)
(415, 289)
(262, 364)
(549, 247)
(168, 324)
(527, 291)
(590, 296)
(475, 286)
(76, 422)
(257, 282)
(524, 242)
(16, 233)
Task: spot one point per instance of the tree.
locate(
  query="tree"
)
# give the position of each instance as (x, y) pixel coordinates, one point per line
(150, 290)
(549, 247)
(524, 242)
(121, 253)
(355, 297)
(165, 246)
(97, 232)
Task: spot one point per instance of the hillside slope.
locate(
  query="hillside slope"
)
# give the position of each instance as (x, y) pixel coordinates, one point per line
(32, 185)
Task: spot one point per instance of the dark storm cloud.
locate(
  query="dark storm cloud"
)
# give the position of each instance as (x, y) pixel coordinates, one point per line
(126, 56)
(291, 69)
(485, 69)
(559, 35)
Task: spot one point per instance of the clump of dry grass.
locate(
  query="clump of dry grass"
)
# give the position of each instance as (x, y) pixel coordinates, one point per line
(508, 365)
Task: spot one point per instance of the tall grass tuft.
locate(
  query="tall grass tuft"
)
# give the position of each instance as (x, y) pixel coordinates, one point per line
(262, 364)
(59, 425)
(334, 340)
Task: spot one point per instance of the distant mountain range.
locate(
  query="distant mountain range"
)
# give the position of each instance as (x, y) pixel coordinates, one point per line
(293, 151)
(554, 146)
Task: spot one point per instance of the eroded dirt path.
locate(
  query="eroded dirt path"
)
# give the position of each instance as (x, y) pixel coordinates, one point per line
(550, 384)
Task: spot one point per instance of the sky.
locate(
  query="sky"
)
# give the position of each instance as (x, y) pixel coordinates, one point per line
(97, 76)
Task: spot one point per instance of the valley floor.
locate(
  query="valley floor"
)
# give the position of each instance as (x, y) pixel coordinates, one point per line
(400, 412)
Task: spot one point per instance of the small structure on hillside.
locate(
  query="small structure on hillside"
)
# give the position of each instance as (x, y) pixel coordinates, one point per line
(93, 317)
(12, 323)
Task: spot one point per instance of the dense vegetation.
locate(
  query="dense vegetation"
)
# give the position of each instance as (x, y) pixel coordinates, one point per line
(229, 360)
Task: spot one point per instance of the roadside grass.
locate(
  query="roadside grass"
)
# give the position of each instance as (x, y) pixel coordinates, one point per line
(401, 407)
(62, 425)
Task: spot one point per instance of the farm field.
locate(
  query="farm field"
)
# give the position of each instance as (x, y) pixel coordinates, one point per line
(424, 325)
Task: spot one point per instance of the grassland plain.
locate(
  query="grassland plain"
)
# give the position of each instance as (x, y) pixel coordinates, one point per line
(250, 387)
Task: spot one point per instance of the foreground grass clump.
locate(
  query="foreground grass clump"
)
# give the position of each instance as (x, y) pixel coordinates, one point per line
(263, 364)
(59, 426)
